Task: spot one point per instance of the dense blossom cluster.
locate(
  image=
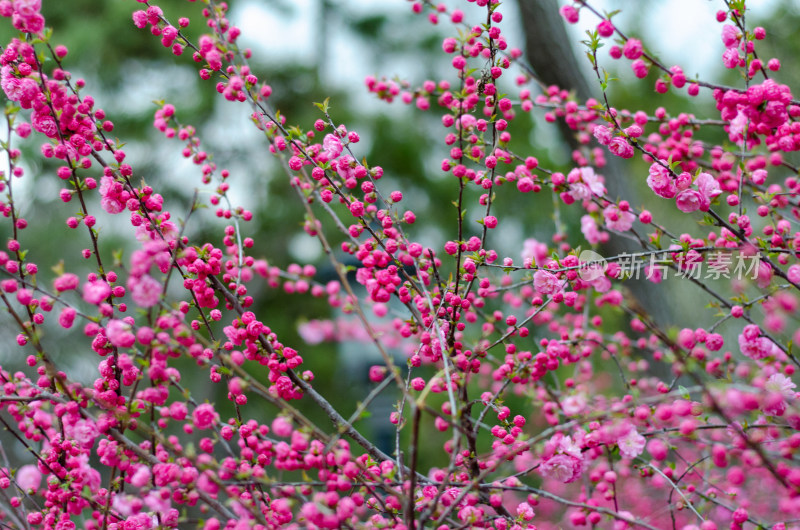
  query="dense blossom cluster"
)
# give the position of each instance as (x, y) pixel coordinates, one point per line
(563, 403)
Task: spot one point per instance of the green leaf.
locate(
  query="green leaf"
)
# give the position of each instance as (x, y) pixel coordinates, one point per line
(324, 106)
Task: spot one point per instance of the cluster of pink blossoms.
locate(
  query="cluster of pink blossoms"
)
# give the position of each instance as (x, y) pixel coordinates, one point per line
(532, 389)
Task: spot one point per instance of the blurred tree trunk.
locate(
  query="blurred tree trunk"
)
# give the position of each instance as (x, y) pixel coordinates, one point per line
(550, 54)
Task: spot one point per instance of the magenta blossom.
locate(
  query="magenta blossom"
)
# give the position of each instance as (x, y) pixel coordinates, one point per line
(709, 189)
(620, 147)
(204, 416)
(688, 201)
(617, 219)
(546, 282)
(96, 291)
(660, 182)
(119, 333)
(631, 444)
(753, 345)
(562, 460)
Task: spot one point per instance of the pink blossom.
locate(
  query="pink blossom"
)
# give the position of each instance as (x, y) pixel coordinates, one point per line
(570, 14)
(730, 58)
(688, 201)
(573, 405)
(661, 182)
(753, 345)
(562, 459)
(730, 35)
(657, 449)
(27, 8)
(618, 220)
(145, 290)
(45, 124)
(546, 282)
(631, 444)
(204, 416)
(561, 467)
(620, 147)
(28, 477)
(119, 333)
(534, 250)
(763, 275)
(590, 230)
(709, 189)
(632, 49)
(737, 126)
(589, 183)
(780, 384)
(332, 147)
(96, 291)
(84, 432)
(66, 282)
(603, 134)
(525, 511)
(639, 68)
(780, 389)
(67, 317)
(141, 476)
(580, 191)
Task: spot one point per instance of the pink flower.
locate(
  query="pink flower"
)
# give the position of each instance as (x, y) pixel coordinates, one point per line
(141, 476)
(737, 127)
(603, 134)
(119, 333)
(66, 282)
(570, 14)
(631, 444)
(620, 147)
(730, 58)
(67, 317)
(27, 8)
(562, 459)
(96, 291)
(632, 49)
(639, 68)
(780, 384)
(580, 191)
(730, 35)
(753, 345)
(573, 405)
(45, 124)
(660, 182)
(525, 512)
(332, 147)
(546, 282)
(281, 426)
(563, 468)
(764, 274)
(618, 220)
(145, 290)
(605, 28)
(779, 388)
(590, 230)
(204, 416)
(534, 250)
(28, 477)
(657, 449)
(357, 208)
(709, 188)
(84, 432)
(589, 183)
(688, 201)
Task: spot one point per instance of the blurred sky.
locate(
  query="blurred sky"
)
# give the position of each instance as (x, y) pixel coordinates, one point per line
(680, 31)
